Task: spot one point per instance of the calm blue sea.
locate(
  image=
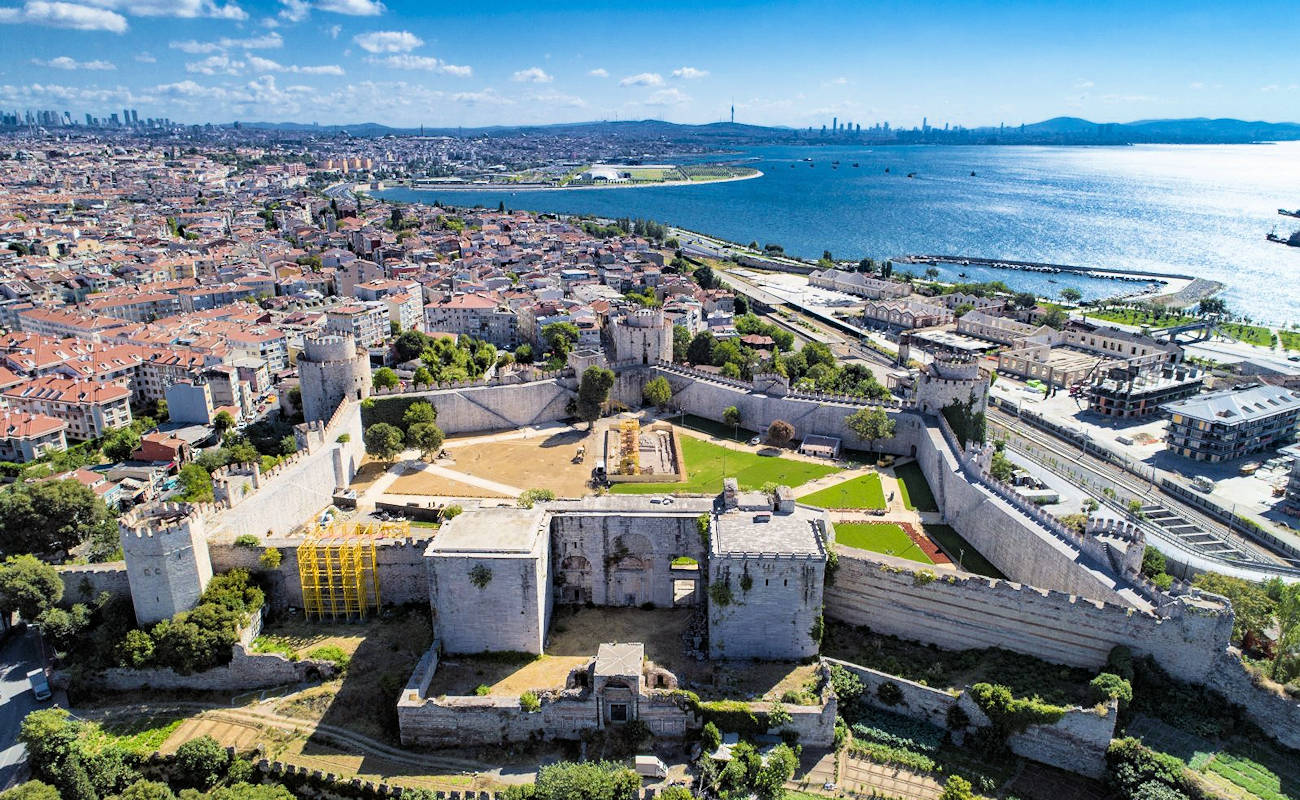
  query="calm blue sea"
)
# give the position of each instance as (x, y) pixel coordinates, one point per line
(1199, 210)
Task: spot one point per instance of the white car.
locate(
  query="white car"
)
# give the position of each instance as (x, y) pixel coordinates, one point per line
(755, 442)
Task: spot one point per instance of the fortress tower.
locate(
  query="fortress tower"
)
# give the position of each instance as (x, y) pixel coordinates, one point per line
(167, 562)
(330, 368)
(644, 336)
(951, 378)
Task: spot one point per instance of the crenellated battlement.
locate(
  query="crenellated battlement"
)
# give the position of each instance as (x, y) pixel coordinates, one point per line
(160, 519)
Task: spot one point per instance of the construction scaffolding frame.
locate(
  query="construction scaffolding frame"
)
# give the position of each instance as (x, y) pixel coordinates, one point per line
(336, 568)
(629, 445)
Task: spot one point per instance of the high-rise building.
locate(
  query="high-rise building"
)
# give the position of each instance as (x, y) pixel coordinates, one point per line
(835, 124)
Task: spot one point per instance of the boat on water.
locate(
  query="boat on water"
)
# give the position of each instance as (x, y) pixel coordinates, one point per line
(886, 169)
(806, 159)
(972, 173)
(1287, 213)
(855, 165)
(1290, 241)
(961, 274)
(911, 174)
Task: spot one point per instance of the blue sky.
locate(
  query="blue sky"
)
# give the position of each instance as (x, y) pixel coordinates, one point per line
(408, 63)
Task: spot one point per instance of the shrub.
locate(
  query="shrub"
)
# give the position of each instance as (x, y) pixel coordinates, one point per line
(956, 788)
(778, 716)
(710, 737)
(482, 690)
(1109, 686)
(1010, 714)
(332, 653)
(248, 540)
(480, 576)
(733, 716)
(202, 761)
(270, 558)
(452, 511)
(1137, 770)
(531, 496)
(529, 702)
(889, 693)
(720, 593)
(1120, 662)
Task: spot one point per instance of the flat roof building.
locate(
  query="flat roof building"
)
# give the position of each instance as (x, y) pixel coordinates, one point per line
(1222, 426)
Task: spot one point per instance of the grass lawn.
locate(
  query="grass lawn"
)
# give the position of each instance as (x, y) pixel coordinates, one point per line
(864, 491)
(704, 469)
(915, 489)
(141, 735)
(1250, 334)
(879, 537)
(958, 548)
(717, 430)
(1132, 316)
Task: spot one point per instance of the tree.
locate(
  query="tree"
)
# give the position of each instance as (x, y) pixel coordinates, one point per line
(657, 392)
(956, 788)
(1055, 317)
(1213, 307)
(50, 736)
(383, 441)
(120, 443)
(32, 790)
(62, 627)
(288, 445)
(202, 762)
(731, 416)
(410, 344)
(587, 780)
(593, 392)
(931, 273)
(871, 424)
(1288, 625)
(559, 338)
(418, 412)
(1001, 467)
(1025, 300)
(422, 376)
(710, 737)
(524, 353)
(52, 515)
(705, 278)
(1071, 295)
(681, 342)
(769, 779)
(780, 432)
(270, 558)
(700, 350)
(136, 649)
(384, 378)
(223, 422)
(195, 483)
(147, 790)
(426, 437)
(28, 586)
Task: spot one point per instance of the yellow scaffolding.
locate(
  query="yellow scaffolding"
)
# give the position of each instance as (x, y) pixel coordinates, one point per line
(336, 568)
(629, 445)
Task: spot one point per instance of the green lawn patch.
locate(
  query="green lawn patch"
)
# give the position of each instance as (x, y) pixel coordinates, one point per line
(956, 547)
(1250, 334)
(140, 735)
(915, 489)
(1290, 339)
(1133, 316)
(863, 491)
(879, 537)
(705, 471)
(715, 429)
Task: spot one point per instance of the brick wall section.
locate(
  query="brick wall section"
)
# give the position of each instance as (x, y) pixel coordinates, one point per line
(97, 578)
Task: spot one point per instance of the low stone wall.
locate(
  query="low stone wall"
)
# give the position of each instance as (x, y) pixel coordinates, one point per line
(494, 407)
(1268, 706)
(919, 702)
(82, 583)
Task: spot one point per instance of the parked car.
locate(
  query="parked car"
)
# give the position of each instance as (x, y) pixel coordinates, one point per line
(755, 442)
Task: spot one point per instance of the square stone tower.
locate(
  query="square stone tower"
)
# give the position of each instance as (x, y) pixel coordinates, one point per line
(167, 563)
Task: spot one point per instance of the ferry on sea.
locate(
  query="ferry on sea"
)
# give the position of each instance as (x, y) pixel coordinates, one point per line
(1286, 213)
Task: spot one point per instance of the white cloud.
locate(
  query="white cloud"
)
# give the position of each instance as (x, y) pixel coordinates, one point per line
(554, 99)
(599, 72)
(532, 75)
(667, 97)
(258, 64)
(295, 10)
(64, 62)
(1083, 83)
(185, 9)
(485, 97)
(215, 65)
(388, 41)
(146, 58)
(426, 63)
(840, 81)
(353, 8)
(268, 42)
(643, 79)
(689, 73)
(64, 15)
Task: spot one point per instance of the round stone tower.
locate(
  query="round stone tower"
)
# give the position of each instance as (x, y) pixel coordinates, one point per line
(167, 563)
(951, 378)
(331, 368)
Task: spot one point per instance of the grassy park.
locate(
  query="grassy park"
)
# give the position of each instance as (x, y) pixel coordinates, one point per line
(864, 491)
(914, 488)
(879, 537)
(707, 464)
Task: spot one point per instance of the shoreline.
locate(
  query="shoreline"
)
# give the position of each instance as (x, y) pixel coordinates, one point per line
(505, 187)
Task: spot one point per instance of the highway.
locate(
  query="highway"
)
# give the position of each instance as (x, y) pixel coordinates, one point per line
(19, 655)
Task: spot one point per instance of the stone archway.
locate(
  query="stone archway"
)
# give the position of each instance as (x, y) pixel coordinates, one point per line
(631, 566)
(575, 583)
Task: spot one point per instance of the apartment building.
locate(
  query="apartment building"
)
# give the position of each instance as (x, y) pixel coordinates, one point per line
(368, 322)
(1222, 426)
(26, 437)
(89, 408)
(476, 314)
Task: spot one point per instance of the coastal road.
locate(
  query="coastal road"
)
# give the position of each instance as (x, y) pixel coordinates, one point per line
(20, 654)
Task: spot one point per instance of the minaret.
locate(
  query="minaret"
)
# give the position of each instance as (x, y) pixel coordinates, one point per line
(733, 113)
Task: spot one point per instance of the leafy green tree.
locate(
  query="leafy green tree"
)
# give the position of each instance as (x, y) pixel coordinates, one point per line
(700, 350)
(1153, 562)
(1109, 686)
(1288, 625)
(223, 421)
(426, 437)
(956, 788)
(29, 586)
(587, 780)
(681, 341)
(418, 412)
(31, 790)
(50, 736)
(560, 338)
(769, 779)
(657, 392)
(422, 376)
(1001, 467)
(270, 558)
(1025, 300)
(871, 424)
(62, 627)
(731, 416)
(710, 737)
(147, 790)
(593, 393)
(705, 278)
(383, 441)
(288, 445)
(136, 649)
(1071, 295)
(1213, 307)
(201, 762)
(524, 353)
(120, 443)
(384, 378)
(52, 515)
(1252, 608)
(195, 483)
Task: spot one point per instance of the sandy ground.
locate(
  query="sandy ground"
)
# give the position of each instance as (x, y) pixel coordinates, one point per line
(545, 462)
(425, 483)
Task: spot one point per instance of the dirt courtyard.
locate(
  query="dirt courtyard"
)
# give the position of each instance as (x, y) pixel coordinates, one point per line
(541, 462)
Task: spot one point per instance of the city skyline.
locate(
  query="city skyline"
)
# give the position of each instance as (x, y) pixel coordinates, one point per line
(352, 61)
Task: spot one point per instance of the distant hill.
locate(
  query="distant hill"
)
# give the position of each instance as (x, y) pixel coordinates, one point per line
(1058, 130)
